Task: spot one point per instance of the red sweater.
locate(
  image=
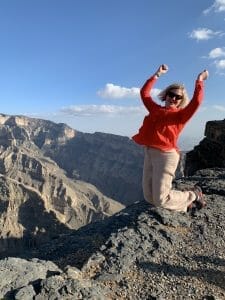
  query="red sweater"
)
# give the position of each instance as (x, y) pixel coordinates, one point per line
(162, 126)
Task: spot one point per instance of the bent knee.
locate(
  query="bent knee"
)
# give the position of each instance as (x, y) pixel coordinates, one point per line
(159, 201)
(148, 198)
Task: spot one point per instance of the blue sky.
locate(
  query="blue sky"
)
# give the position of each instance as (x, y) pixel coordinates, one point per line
(82, 62)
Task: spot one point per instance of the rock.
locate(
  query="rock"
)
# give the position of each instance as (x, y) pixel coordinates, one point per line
(26, 293)
(210, 152)
(16, 273)
(105, 160)
(141, 252)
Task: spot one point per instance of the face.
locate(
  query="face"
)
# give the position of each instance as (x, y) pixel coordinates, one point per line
(174, 98)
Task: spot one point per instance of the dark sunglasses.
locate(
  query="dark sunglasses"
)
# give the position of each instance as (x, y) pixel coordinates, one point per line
(172, 95)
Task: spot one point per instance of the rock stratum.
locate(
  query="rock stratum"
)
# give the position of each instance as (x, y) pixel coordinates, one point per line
(38, 201)
(103, 160)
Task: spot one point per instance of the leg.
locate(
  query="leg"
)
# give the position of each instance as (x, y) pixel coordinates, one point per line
(147, 176)
(164, 166)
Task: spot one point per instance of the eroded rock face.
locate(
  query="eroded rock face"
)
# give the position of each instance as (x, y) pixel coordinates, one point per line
(50, 171)
(211, 150)
(37, 200)
(141, 252)
(110, 162)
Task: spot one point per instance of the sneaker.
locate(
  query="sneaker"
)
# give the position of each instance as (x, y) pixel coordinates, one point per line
(199, 202)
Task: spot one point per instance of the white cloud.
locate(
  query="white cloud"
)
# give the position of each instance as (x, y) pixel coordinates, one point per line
(111, 91)
(219, 107)
(217, 52)
(201, 34)
(217, 55)
(220, 64)
(218, 6)
(91, 110)
(155, 92)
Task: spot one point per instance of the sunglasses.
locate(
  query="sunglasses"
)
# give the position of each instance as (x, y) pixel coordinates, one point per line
(172, 95)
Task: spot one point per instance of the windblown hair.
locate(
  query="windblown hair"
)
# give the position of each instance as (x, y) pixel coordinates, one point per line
(174, 86)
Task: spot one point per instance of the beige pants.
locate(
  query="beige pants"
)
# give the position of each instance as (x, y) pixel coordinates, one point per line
(158, 173)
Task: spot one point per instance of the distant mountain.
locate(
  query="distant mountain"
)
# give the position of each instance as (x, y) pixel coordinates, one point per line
(54, 179)
(187, 143)
(112, 163)
(37, 199)
(140, 252)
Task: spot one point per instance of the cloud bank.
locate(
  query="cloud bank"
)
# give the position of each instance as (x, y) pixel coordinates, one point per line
(92, 110)
(218, 57)
(217, 7)
(201, 34)
(113, 110)
(112, 91)
(220, 64)
(217, 52)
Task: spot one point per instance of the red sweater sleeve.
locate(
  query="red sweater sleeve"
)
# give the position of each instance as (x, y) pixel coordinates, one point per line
(145, 94)
(190, 109)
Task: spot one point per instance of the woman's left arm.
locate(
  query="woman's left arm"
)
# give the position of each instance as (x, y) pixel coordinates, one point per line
(186, 113)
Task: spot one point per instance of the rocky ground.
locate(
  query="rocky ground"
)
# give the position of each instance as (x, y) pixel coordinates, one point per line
(141, 252)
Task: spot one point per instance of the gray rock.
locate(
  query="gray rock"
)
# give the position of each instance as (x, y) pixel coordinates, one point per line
(141, 252)
(210, 152)
(25, 293)
(17, 273)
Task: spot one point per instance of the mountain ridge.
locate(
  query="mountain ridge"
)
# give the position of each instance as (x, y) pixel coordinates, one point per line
(34, 189)
(140, 252)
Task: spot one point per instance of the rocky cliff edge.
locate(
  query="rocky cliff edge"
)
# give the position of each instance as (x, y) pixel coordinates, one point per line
(139, 253)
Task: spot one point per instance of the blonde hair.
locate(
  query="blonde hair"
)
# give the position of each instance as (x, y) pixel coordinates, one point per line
(174, 86)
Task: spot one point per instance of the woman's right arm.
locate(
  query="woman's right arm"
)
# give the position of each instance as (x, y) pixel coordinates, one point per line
(146, 89)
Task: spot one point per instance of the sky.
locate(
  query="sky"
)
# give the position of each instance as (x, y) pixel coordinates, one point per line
(82, 62)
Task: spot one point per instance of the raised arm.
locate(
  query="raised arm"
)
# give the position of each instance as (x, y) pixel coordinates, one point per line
(146, 89)
(197, 98)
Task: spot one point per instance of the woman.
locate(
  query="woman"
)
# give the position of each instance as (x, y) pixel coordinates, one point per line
(159, 134)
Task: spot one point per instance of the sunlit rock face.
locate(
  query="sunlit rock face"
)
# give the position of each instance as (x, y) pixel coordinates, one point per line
(37, 199)
(140, 252)
(75, 177)
(110, 162)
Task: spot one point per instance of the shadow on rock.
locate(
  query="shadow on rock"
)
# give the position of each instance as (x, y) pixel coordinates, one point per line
(39, 225)
(77, 247)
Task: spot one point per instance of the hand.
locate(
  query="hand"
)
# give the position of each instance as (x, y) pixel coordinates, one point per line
(161, 70)
(203, 75)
